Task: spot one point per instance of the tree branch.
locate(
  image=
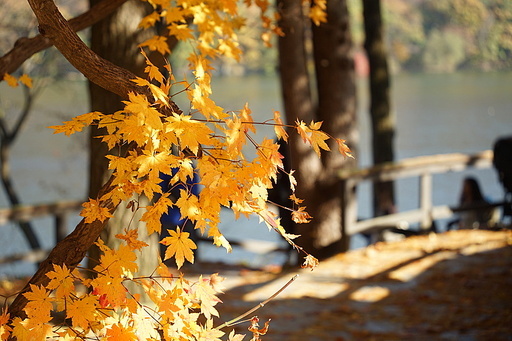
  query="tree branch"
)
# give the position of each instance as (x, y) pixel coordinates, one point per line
(109, 76)
(70, 252)
(24, 48)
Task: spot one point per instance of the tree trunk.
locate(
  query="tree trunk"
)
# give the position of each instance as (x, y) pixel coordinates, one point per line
(383, 125)
(335, 90)
(116, 39)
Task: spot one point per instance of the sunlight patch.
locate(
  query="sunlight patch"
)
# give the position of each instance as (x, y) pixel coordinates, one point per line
(370, 294)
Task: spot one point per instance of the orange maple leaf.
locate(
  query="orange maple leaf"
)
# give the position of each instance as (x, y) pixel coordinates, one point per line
(279, 127)
(131, 237)
(61, 280)
(82, 311)
(94, 211)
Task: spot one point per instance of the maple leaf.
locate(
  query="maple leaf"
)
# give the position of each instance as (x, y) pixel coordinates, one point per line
(40, 304)
(180, 246)
(188, 205)
(5, 329)
(154, 213)
(303, 130)
(180, 31)
(82, 311)
(68, 128)
(255, 328)
(20, 330)
(292, 180)
(26, 80)
(301, 216)
(94, 211)
(205, 294)
(118, 332)
(317, 12)
(343, 148)
(279, 127)
(235, 337)
(131, 238)
(61, 279)
(150, 20)
(157, 43)
(310, 262)
(318, 141)
(11, 80)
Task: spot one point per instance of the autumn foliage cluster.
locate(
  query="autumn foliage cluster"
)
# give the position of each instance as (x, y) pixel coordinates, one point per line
(162, 139)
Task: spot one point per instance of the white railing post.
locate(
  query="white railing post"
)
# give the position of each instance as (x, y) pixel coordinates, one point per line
(426, 200)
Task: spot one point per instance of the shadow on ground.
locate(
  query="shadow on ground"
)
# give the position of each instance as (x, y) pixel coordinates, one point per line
(450, 286)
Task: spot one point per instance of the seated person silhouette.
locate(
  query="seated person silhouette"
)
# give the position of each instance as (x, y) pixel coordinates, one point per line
(473, 213)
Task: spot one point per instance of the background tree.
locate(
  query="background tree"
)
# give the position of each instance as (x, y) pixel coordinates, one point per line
(382, 123)
(334, 84)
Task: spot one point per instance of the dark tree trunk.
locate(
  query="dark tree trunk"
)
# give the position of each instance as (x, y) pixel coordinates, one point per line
(335, 90)
(383, 125)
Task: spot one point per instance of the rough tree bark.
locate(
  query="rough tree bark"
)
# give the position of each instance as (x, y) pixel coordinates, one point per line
(383, 125)
(335, 90)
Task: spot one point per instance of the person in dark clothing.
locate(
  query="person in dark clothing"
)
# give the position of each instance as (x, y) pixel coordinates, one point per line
(172, 218)
(471, 200)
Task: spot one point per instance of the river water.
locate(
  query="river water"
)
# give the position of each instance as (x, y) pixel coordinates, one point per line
(455, 113)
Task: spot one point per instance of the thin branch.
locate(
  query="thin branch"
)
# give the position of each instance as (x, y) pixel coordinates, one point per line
(24, 48)
(262, 304)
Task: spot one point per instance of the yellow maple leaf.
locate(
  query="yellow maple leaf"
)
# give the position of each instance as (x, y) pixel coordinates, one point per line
(68, 127)
(82, 311)
(154, 213)
(279, 127)
(20, 330)
(157, 43)
(317, 12)
(179, 246)
(318, 139)
(303, 131)
(61, 280)
(180, 31)
(40, 304)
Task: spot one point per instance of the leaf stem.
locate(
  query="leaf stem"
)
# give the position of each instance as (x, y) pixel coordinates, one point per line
(260, 305)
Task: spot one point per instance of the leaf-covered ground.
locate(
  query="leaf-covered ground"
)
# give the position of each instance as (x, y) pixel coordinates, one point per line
(450, 286)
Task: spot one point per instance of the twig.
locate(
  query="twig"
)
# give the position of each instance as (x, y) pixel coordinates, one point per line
(238, 318)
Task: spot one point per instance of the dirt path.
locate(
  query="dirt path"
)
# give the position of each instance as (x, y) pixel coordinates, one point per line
(451, 286)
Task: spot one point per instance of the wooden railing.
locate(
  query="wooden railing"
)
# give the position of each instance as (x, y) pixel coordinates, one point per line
(423, 167)
(59, 210)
